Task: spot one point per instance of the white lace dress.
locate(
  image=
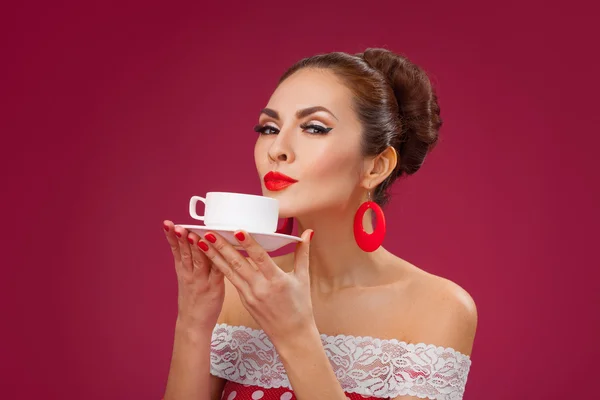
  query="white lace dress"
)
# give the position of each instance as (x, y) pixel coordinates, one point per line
(366, 367)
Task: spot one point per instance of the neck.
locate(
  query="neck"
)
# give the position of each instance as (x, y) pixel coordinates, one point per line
(336, 261)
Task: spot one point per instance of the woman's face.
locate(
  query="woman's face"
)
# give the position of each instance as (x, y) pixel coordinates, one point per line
(309, 132)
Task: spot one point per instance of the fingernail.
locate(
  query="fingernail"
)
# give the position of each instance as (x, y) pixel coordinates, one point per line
(166, 227)
(203, 246)
(178, 234)
(240, 236)
(312, 234)
(190, 240)
(210, 237)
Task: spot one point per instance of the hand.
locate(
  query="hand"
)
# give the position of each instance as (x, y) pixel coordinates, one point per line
(201, 285)
(279, 302)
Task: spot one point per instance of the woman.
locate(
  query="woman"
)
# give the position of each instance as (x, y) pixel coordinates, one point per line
(341, 317)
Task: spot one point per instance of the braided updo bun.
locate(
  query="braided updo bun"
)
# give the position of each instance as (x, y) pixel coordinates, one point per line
(395, 103)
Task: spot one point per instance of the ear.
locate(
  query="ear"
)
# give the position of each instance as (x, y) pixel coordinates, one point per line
(380, 167)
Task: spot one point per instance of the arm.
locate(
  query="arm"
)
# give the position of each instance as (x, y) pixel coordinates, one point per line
(201, 292)
(280, 302)
(308, 368)
(187, 361)
(189, 375)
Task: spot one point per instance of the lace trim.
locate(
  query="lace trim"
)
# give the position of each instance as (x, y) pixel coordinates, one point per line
(363, 364)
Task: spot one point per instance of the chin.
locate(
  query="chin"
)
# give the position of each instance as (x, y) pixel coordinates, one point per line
(290, 204)
(286, 207)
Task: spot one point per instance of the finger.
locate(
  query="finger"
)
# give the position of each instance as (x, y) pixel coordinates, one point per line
(200, 263)
(238, 263)
(301, 256)
(170, 235)
(184, 248)
(215, 274)
(258, 254)
(214, 255)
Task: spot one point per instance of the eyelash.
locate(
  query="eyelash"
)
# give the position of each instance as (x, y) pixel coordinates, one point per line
(319, 130)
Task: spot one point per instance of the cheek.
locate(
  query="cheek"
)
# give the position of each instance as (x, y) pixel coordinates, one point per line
(336, 164)
(260, 160)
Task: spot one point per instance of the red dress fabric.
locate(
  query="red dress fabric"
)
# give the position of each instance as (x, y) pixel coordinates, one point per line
(236, 391)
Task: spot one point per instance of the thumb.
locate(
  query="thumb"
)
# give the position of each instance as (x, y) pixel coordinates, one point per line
(301, 255)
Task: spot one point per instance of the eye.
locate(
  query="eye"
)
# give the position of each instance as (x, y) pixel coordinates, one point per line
(315, 129)
(266, 129)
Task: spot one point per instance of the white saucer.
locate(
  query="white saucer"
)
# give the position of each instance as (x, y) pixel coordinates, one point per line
(268, 241)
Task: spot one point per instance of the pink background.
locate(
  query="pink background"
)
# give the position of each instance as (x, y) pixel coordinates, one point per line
(114, 115)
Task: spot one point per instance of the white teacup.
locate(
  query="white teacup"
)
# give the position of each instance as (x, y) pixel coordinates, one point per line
(237, 211)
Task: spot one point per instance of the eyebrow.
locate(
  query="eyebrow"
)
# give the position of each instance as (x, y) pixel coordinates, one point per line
(300, 113)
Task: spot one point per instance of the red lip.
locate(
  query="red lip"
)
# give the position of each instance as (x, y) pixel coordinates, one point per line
(276, 181)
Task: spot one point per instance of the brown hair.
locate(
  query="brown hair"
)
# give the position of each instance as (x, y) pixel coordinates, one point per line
(395, 103)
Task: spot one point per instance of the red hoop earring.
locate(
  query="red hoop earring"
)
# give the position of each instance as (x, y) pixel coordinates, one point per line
(369, 241)
(287, 227)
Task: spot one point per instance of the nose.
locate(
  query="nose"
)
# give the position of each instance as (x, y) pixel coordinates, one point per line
(281, 149)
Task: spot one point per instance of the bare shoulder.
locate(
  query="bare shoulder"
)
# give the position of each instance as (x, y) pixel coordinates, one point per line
(444, 312)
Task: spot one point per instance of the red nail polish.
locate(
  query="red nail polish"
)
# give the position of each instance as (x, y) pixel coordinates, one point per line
(166, 227)
(240, 236)
(312, 234)
(178, 234)
(190, 240)
(203, 246)
(210, 237)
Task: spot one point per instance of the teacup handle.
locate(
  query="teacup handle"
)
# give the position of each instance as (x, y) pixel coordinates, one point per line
(193, 201)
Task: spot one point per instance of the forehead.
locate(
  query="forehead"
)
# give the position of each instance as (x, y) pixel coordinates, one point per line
(310, 87)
